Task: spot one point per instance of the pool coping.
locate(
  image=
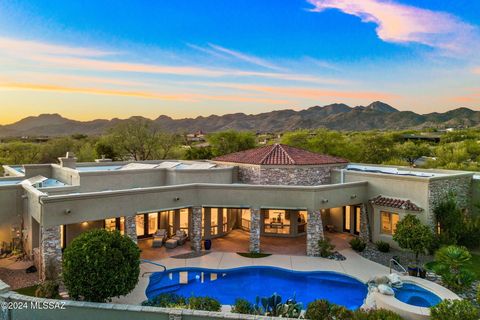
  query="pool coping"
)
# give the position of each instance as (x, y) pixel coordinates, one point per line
(355, 266)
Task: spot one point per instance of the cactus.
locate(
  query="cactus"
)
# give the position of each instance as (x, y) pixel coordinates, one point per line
(273, 306)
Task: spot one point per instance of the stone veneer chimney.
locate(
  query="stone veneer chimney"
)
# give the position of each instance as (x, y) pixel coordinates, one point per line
(69, 161)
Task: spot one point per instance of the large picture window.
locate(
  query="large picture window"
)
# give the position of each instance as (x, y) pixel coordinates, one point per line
(388, 222)
(276, 221)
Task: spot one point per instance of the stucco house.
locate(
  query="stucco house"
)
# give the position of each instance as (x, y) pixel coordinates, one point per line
(271, 191)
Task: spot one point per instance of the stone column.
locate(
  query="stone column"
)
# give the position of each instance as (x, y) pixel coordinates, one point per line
(364, 224)
(255, 230)
(196, 229)
(50, 253)
(314, 232)
(131, 227)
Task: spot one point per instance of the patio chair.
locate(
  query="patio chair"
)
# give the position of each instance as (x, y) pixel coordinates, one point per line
(159, 238)
(181, 236)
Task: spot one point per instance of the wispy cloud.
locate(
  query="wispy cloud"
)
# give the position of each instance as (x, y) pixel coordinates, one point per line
(103, 65)
(62, 57)
(185, 97)
(22, 47)
(304, 92)
(476, 70)
(246, 58)
(404, 23)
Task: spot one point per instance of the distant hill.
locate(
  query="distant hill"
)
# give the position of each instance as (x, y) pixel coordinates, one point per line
(338, 116)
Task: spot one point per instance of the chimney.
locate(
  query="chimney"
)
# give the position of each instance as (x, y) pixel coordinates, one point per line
(69, 161)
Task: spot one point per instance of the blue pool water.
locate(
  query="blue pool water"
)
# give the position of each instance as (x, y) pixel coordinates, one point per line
(417, 296)
(250, 282)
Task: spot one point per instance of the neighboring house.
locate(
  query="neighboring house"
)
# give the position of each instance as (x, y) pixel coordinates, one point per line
(275, 190)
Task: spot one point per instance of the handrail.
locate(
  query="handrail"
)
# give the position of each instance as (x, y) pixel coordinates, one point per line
(154, 263)
(398, 264)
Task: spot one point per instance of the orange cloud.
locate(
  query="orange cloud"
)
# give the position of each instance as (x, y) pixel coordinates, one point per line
(188, 97)
(468, 98)
(305, 93)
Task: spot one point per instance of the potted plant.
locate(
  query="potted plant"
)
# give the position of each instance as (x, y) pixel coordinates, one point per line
(207, 243)
(412, 235)
(422, 272)
(412, 270)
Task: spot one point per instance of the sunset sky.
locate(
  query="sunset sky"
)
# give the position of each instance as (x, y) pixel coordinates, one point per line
(104, 59)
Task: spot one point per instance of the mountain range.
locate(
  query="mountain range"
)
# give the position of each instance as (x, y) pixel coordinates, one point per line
(338, 116)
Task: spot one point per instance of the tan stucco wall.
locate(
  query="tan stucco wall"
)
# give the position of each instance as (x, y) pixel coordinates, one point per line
(10, 210)
(74, 230)
(100, 205)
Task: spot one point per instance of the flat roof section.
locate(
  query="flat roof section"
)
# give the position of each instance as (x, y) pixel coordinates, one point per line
(394, 171)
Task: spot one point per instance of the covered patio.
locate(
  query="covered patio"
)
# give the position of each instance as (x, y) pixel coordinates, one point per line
(238, 241)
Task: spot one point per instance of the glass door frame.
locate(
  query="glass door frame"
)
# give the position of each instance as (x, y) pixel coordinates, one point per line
(146, 226)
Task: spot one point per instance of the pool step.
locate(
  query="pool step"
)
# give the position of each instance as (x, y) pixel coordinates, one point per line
(164, 289)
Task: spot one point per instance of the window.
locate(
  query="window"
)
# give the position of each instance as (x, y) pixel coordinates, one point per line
(184, 219)
(246, 219)
(213, 221)
(152, 222)
(111, 224)
(388, 222)
(276, 221)
(140, 221)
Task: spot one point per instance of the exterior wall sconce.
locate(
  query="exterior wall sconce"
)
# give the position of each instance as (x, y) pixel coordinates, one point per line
(176, 199)
(85, 223)
(353, 196)
(324, 200)
(67, 211)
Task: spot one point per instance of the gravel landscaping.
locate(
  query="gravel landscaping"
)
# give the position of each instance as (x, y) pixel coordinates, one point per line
(403, 257)
(18, 278)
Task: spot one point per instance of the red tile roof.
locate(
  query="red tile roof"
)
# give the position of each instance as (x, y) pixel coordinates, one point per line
(395, 203)
(279, 154)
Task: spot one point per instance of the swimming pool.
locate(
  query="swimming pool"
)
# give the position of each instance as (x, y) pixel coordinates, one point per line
(417, 296)
(250, 282)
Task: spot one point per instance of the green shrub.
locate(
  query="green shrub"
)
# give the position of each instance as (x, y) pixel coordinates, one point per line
(48, 289)
(379, 314)
(242, 306)
(324, 310)
(100, 264)
(452, 263)
(454, 310)
(358, 244)
(326, 247)
(204, 303)
(166, 300)
(382, 246)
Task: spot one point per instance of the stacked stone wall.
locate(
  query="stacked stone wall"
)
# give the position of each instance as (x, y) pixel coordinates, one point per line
(314, 232)
(291, 175)
(439, 189)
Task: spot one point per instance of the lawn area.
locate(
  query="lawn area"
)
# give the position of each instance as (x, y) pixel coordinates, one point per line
(28, 291)
(476, 264)
(254, 255)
